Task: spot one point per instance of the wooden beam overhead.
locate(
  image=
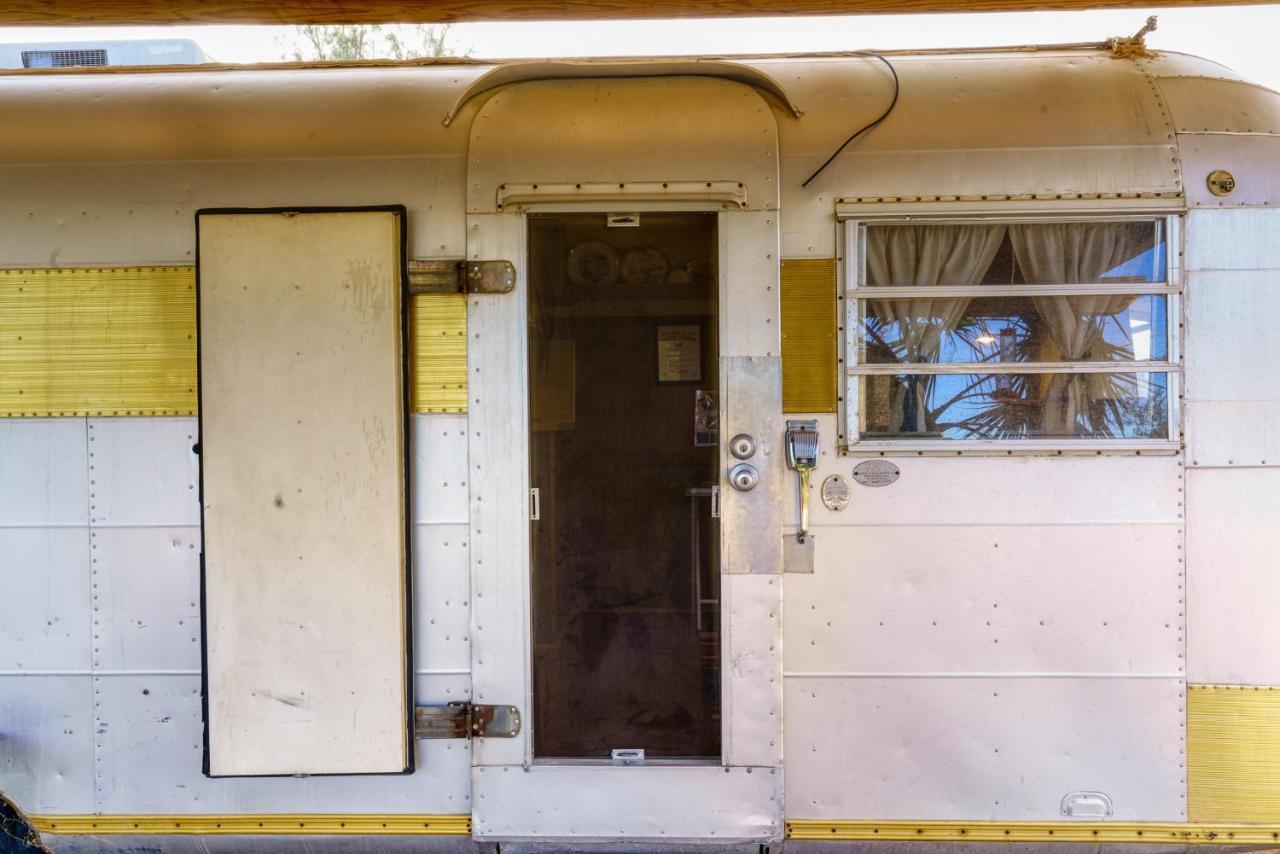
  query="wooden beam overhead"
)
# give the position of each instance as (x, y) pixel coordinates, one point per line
(143, 12)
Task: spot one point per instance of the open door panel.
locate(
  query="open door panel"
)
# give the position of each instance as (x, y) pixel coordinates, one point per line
(304, 492)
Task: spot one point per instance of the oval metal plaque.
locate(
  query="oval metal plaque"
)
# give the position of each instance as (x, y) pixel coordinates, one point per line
(835, 492)
(875, 472)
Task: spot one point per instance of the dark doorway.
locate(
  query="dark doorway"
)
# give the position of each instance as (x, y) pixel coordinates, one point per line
(624, 434)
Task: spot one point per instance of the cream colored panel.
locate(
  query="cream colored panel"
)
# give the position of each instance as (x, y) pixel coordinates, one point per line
(141, 213)
(1232, 543)
(1013, 598)
(983, 748)
(658, 129)
(1202, 105)
(303, 458)
(239, 114)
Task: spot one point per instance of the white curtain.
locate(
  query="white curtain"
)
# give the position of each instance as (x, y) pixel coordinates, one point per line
(924, 255)
(1070, 253)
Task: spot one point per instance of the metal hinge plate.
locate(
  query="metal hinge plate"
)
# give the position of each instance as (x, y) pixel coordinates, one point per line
(443, 276)
(466, 720)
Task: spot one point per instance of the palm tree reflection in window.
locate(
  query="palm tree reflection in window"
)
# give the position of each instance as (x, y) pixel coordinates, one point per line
(1016, 405)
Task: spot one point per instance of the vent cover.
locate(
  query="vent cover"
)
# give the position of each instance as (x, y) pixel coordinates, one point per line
(63, 58)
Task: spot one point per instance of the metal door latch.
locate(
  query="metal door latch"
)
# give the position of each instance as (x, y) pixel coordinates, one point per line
(466, 720)
(802, 458)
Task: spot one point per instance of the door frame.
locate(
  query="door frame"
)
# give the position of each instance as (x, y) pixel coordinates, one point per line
(740, 795)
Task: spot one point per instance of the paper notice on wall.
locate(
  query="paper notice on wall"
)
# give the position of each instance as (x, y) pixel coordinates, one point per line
(679, 354)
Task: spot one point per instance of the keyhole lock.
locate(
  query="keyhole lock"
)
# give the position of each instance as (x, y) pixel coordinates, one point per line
(744, 477)
(743, 446)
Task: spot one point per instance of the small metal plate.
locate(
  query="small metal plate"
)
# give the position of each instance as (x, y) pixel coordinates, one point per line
(875, 473)
(489, 277)
(797, 556)
(835, 493)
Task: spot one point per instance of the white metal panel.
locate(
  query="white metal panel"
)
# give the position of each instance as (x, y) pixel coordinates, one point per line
(46, 742)
(140, 213)
(1231, 239)
(989, 748)
(749, 307)
(1232, 543)
(752, 661)
(993, 599)
(146, 598)
(43, 472)
(439, 469)
(1230, 324)
(499, 485)
(441, 599)
(666, 803)
(44, 585)
(150, 762)
(305, 505)
(677, 129)
(991, 490)
(1249, 158)
(143, 471)
(1233, 433)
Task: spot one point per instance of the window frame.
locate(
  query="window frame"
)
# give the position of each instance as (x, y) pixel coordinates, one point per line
(852, 264)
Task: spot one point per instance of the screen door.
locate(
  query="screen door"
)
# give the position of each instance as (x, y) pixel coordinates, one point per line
(303, 492)
(624, 458)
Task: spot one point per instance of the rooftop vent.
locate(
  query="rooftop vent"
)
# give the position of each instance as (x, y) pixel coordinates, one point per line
(63, 58)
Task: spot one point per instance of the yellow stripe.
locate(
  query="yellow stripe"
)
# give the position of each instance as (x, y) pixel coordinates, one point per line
(1025, 831)
(122, 341)
(362, 825)
(1233, 753)
(808, 297)
(115, 341)
(438, 326)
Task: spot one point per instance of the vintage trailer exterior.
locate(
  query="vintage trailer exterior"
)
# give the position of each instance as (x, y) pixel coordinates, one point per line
(1045, 615)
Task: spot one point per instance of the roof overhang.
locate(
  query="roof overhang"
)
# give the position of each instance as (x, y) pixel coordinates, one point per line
(142, 12)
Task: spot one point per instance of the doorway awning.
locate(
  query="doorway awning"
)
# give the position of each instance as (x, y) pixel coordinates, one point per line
(143, 12)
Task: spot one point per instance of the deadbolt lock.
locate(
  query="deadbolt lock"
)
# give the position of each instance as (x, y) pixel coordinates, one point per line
(743, 446)
(744, 477)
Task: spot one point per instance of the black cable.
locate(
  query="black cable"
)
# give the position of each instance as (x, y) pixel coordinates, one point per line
(893, 102)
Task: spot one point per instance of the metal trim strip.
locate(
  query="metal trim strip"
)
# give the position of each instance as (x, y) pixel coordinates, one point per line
(1149, 833)
(248, 823)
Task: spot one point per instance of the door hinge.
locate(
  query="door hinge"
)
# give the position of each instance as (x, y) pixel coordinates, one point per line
(446, 276)
(466, 720)
(535, 505)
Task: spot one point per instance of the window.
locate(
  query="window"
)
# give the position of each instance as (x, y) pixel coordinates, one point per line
(1053, 332)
